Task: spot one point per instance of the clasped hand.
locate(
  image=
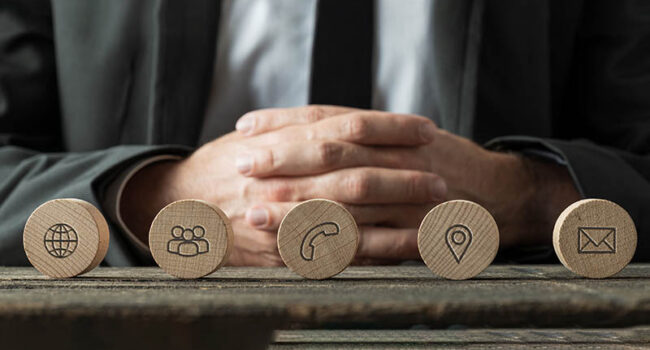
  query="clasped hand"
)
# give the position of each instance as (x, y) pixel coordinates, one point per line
(387, 169)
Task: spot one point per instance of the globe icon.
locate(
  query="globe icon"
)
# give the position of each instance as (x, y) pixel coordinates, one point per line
(60, 240)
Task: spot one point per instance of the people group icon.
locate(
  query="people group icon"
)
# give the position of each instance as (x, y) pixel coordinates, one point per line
(188, 241)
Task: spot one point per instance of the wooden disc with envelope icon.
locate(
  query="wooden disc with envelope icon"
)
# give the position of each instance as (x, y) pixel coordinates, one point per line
(595, 238)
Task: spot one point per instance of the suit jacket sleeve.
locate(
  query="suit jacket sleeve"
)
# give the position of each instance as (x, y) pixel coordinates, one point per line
(34, 163)
(606, 112)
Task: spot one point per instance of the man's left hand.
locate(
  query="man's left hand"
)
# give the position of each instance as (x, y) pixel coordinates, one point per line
(525, 196)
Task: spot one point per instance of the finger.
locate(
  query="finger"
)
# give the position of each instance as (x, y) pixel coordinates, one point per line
(353, 186)
(387, 243)
(268, 216)
(369, 128)
(378, 186)
(264, 120)
(390, 215)
(316, 157)
(254, 247)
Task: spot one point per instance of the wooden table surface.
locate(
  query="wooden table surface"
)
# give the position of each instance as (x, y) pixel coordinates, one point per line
(251, 302)
(620, 338)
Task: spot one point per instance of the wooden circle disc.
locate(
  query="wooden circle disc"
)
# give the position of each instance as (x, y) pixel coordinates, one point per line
(458, 239)
(65, 237)
(594, 238)
(191, 238)
(318, 238)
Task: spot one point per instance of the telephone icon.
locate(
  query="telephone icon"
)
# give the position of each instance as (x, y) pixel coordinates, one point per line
(325, 229)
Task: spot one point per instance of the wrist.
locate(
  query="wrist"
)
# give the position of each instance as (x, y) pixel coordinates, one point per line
(555, 190)
(146, 193)
(507, 193)
(527, 196)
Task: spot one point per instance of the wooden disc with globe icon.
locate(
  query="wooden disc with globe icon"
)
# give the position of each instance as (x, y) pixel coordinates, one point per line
(65, 237)
(60, 240)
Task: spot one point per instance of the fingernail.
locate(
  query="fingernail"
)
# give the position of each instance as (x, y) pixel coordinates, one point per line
(258, 217)
(246, 124)
(244, 164)
(438, 189)
(427, 132)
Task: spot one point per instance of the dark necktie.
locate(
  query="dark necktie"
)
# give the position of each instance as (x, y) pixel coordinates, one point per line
(341, 72)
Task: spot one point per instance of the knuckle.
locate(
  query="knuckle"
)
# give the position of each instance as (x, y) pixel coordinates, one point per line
(356, 128)
(329, 153)
(247, 187)
(276, 137)
(314, 113)
(279, 191)
(310, 134)
(358, 185)
(269, 162)
(412, 185)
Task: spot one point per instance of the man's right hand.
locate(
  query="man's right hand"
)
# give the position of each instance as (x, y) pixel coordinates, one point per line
(385, 202)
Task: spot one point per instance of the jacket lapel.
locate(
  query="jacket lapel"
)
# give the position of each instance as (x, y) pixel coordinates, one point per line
(457, 39)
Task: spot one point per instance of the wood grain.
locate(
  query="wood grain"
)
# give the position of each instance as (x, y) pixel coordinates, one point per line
(191, 238)
(391, 297)
(572, 338)
(458, 239)
(318, 238)
(104, 237)
(65, 237)
(595, 238)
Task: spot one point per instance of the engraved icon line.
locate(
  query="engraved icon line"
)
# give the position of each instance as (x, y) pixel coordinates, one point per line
(596, 240)
(307, 246)
(458, 238)
(188, 242)
(60, 240)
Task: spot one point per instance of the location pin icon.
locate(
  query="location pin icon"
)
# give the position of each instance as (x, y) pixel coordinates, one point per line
(458, 238)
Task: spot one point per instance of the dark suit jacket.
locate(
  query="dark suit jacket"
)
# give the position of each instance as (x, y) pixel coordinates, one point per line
(89, 87)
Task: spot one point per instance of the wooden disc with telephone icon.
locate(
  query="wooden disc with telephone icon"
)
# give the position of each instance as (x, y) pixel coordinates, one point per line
(318, 239)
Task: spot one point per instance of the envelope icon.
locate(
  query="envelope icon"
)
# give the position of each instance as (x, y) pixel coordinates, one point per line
(596, 240)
